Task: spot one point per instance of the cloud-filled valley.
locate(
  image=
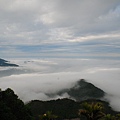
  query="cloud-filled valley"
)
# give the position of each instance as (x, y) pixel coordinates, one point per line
(38, 78)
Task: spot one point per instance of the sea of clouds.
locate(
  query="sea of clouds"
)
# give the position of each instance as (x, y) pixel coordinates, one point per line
(36, 78)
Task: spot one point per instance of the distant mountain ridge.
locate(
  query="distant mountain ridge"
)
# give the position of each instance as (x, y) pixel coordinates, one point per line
(5, 63)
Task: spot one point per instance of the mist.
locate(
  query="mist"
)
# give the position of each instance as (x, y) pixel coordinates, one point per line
(37, 78)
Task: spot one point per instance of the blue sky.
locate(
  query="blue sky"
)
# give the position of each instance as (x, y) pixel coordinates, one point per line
(60, 29)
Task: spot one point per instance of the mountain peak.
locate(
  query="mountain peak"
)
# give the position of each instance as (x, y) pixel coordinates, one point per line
(84, 90)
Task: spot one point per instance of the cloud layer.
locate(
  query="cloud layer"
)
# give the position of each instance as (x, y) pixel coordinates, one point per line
(36, 79)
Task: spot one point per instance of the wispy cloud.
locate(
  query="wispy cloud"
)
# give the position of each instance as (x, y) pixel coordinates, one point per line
(38, 22)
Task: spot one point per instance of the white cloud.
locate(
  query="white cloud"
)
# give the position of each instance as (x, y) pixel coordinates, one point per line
(44, 77)
(38, 21)
(107, 37)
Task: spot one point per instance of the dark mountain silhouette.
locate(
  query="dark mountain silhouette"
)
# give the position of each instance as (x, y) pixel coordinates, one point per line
(4, 63)
(12, 108)
(64, 108)
(82, 90)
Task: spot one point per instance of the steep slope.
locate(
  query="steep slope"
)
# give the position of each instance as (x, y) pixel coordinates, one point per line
(84, 90)
(4, 63)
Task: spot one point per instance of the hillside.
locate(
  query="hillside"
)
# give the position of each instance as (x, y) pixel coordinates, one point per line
(4, 63)
(12, 108)
(67, 108)
(82, 90)
(63, 108)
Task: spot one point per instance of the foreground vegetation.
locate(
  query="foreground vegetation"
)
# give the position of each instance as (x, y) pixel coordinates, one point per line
(68, 109)
(95, 111)
(12, 108)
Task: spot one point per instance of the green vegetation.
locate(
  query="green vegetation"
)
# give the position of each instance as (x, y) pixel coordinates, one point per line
(92, 111)
(96, 111)
(68, 109)
(63, 108)
(12, 108)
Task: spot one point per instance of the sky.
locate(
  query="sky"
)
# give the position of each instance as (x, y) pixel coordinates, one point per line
(58, 42)
(60, 29)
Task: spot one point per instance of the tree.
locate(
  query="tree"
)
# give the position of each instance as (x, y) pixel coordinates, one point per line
(111, 117)
(92, 111)
(12, 108)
